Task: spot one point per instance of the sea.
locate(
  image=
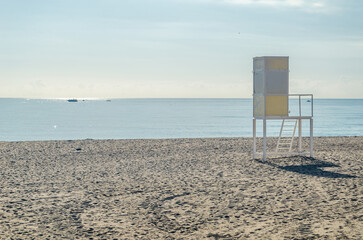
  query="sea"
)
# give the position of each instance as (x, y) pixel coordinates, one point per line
(58, 119)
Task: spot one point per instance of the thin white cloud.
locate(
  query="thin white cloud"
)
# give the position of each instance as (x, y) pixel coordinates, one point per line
(312, 6)
(306, 5)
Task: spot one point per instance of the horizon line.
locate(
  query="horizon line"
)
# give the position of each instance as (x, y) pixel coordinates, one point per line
(120, 98)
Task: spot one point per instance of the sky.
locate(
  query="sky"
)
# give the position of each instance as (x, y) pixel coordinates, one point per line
(176, 48)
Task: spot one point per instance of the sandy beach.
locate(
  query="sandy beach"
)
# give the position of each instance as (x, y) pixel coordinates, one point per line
(179, 189)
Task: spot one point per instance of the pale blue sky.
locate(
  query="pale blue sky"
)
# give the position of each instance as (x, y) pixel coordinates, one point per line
(176, 48)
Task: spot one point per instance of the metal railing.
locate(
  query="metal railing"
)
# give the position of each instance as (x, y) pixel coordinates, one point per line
(304, 95)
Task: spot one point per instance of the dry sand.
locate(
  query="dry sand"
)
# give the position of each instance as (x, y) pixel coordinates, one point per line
(179, 189)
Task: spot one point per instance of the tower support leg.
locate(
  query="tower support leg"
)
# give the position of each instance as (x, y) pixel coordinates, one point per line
(300, 136)
(254, 138)
(264, 140)
(311, 137)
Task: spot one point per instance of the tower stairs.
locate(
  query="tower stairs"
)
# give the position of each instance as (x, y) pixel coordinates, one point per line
(287, 134)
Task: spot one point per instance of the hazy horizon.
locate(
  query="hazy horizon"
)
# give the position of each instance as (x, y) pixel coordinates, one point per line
(130, 98)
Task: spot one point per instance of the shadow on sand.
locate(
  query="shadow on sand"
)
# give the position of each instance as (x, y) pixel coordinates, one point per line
(306, 165)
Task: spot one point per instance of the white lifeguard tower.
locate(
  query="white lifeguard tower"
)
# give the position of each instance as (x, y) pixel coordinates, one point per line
(271, 102)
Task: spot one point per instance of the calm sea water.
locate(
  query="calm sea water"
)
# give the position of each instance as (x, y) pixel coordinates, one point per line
(35, 119)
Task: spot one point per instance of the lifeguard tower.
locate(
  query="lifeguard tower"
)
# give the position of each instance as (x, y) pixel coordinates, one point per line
(272, 101)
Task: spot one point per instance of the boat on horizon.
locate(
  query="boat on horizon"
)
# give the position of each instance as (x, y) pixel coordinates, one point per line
(72, 100)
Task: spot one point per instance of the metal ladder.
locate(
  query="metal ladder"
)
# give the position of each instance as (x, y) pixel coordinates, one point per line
(287, 134)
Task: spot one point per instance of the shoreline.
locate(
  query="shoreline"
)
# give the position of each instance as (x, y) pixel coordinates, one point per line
(181, 138)
(196, 188)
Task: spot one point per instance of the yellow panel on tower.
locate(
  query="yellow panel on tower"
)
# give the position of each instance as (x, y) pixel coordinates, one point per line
(277, 63)
(276, 106)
